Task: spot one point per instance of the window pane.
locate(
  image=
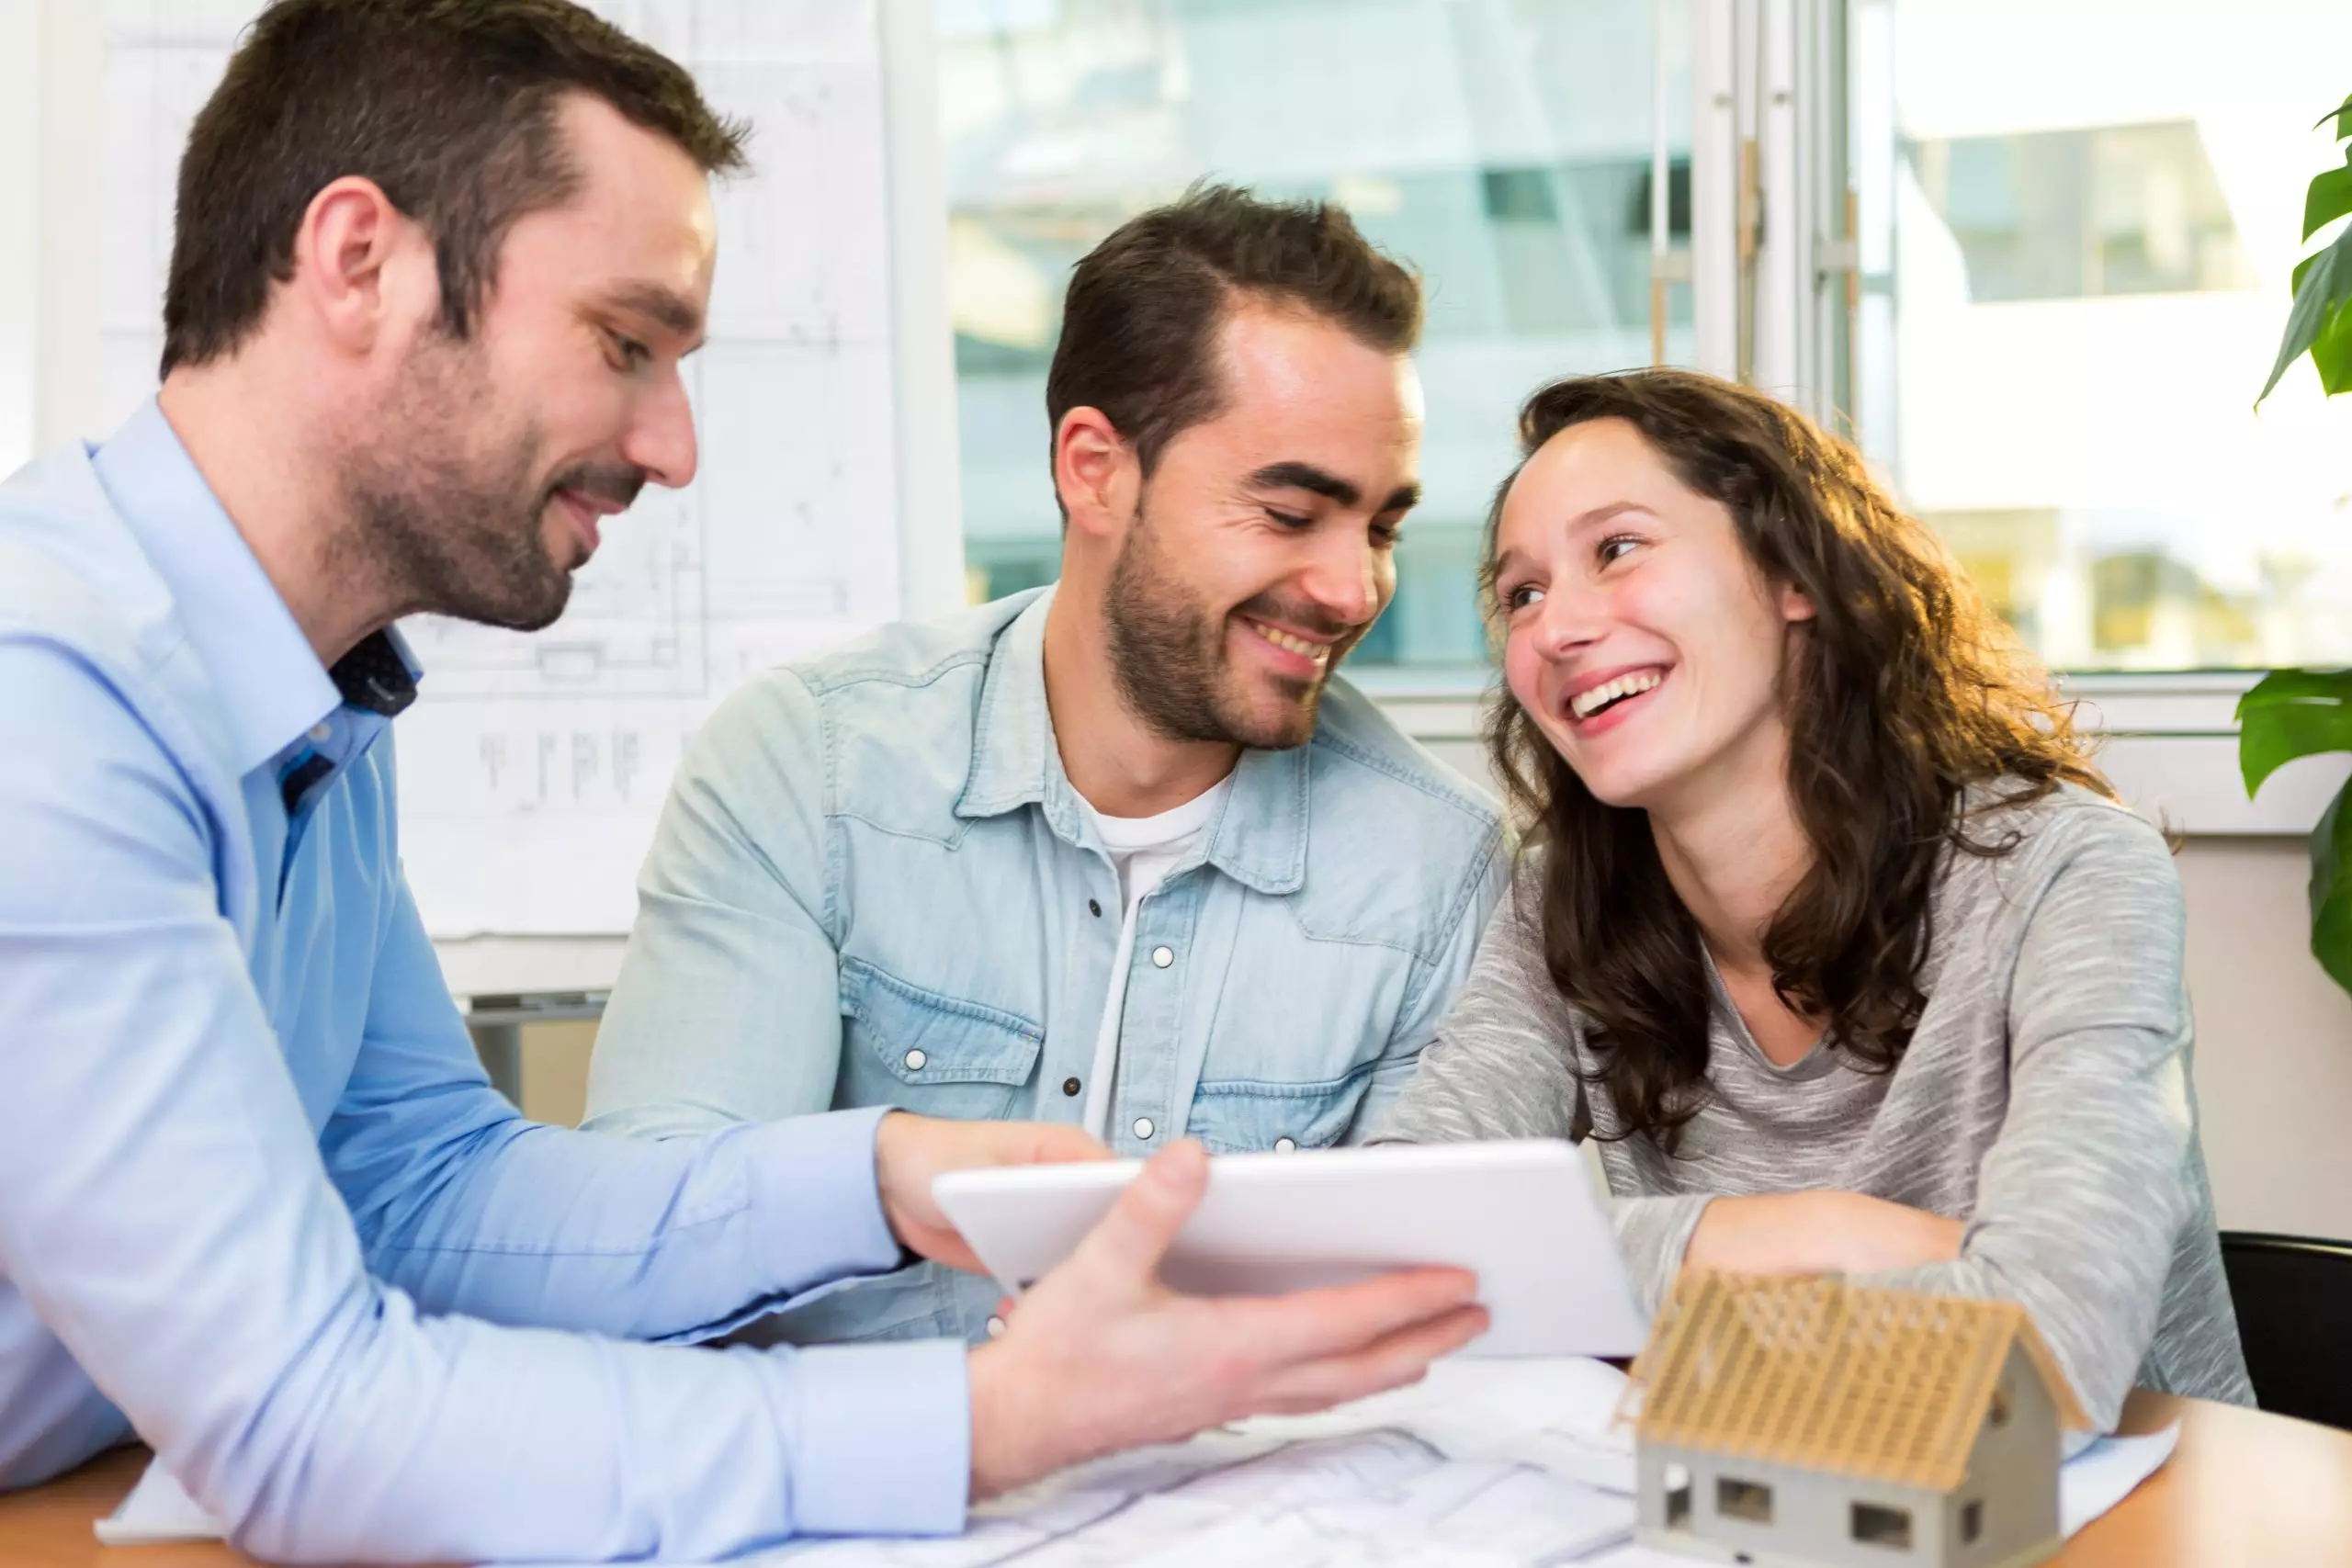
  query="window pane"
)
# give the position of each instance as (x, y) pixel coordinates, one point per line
(2075, 282)
(1503, 149)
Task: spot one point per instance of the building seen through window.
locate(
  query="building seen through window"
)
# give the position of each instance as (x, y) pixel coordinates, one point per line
(2085, 284)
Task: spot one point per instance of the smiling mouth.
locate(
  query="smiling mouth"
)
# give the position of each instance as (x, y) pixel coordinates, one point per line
(1597, 700)
(1320, 652)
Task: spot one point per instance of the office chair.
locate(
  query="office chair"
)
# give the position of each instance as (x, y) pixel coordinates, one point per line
(2293, 1296)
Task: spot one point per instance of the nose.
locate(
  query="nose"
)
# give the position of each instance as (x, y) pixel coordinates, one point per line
(660, 437)
(1570, 618)
(1350, 579)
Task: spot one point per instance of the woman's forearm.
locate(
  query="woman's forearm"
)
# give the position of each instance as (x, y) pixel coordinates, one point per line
(1818, 1233)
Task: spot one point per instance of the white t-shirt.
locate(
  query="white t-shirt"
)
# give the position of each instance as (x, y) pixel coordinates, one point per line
(1143, 849)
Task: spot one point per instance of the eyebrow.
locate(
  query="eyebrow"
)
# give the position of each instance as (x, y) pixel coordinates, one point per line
(1329, 486)
(1603, 514)
(666, 307)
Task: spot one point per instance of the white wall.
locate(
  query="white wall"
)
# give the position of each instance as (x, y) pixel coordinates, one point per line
(19, 227)
(2274, 1040)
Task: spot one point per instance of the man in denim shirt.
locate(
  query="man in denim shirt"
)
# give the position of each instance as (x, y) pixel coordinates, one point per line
(1124, 852)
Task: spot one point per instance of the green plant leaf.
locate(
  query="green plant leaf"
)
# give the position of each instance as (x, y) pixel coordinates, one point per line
(2291, 714)
(2322, 282)
(2329, 198)
(2341, 116)
(2332, 353)
(2331, 890)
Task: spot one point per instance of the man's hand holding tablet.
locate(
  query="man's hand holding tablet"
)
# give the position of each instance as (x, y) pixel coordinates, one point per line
(1100, 1355)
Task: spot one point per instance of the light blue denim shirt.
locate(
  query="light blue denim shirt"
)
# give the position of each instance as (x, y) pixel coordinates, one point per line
(258, 1201)
(873, 885)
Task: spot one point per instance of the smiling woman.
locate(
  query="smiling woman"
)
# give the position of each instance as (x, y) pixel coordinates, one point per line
(1824, 925)
(1700, 590)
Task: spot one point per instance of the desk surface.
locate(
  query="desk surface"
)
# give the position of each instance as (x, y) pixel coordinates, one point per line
(2244, 1489)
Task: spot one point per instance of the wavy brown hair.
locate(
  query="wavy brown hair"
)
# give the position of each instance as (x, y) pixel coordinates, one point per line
(1911, 710)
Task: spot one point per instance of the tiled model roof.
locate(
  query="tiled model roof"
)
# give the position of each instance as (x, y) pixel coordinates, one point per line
(1808, 1371)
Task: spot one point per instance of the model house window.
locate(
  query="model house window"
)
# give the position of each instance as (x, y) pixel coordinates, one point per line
(1743, 1500)
(1884, 1527)
(1972, 1520)
(1998, 1415)
(1677, 1496)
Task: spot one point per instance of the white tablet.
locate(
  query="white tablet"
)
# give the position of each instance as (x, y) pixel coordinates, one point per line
(1523, 1216)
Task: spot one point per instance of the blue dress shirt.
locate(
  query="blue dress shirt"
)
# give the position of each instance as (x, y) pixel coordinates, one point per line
(259, 1203)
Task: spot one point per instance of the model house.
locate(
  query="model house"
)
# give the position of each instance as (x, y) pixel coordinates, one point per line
(1804, 1422)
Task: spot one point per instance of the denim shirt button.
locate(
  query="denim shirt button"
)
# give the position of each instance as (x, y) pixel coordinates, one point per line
(1161, 957)
(1143, 1128)
(996, 1326)
(915, 1059)
(1070, 1087)
(1285, 1146)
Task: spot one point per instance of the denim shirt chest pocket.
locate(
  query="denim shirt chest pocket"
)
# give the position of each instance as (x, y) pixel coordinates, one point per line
(924, 1051)
(1243, 1116)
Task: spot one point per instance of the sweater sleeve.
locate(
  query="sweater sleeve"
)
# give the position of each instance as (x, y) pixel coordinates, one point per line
(1504, 1065)
(2085, 1190)
(1501, 1064)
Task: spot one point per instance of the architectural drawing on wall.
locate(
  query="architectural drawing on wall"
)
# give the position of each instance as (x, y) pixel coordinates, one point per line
(532, 767)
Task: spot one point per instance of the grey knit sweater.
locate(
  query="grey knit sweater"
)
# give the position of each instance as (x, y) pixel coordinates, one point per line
(2045, 1100)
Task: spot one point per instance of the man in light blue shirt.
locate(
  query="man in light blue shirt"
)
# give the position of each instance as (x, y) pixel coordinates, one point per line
(433, 275)
(1125, 853)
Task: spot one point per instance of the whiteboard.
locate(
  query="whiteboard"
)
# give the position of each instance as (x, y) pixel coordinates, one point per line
(533, 768)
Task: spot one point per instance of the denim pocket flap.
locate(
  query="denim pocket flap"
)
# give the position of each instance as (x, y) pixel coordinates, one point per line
(1238, 1115)
(923, 1037)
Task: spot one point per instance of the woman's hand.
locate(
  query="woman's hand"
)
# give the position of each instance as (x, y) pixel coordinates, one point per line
(1818, 1233)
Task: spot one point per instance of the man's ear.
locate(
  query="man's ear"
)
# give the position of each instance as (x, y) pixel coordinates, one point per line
(1095, 473)
(361, 267)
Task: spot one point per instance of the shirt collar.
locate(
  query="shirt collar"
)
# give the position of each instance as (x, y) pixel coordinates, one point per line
(1260, 838)
(271, 684)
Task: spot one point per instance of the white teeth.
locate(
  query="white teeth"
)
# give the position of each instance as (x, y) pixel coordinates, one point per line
(1315, 650)
(1587, 704)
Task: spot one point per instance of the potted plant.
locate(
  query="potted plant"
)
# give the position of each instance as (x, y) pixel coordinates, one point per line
(2300, 713)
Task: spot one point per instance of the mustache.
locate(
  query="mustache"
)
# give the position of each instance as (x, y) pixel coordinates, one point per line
(1307, 616)
(617, 483)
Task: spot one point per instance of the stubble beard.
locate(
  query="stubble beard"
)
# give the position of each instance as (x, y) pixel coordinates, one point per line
(440, 520)
(1167, 654)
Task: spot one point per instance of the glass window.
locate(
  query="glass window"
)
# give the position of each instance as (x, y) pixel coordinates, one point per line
(1504, 149)
(2074, 284)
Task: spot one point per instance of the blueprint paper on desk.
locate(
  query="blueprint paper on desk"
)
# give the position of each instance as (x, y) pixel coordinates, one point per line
(1485, 1464)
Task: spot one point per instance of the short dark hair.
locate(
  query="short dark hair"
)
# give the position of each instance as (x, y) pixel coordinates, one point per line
(1140, 320)
(449, 105)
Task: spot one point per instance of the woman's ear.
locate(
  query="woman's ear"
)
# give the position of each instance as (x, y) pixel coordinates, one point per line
(1796, 605)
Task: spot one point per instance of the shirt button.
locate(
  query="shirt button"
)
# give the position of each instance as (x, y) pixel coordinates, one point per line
(321, 732)
(1092, 907)
(1069, 1086)
(1143, 1128)
(1285, 1146)
(996, 1326)
(915, 1059)
(1161, 957)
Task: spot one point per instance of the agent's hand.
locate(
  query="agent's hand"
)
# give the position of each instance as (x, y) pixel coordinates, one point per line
(1100, 1356)
(1821, 1232)
(909, 1150)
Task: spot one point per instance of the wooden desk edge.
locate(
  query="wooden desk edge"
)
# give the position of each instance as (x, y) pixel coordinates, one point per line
(49, 1527)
